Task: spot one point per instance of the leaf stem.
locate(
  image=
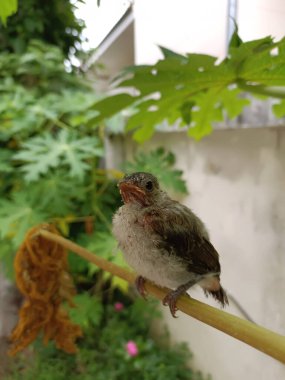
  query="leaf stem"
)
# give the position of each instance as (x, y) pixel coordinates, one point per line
(274, 91)
(262, 339)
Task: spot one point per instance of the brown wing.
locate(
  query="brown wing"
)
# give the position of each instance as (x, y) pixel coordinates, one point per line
(178, 229)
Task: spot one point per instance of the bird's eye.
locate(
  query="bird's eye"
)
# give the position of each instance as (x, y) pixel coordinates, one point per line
(149, 185)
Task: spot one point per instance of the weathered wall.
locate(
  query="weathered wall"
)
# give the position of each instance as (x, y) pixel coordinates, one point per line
(183, 26)
(10, 300)
(236, 179)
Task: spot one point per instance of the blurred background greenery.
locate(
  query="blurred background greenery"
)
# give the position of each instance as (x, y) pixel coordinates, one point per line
(52, 170)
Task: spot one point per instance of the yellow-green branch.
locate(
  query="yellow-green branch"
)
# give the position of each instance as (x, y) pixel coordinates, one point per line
(256, 336)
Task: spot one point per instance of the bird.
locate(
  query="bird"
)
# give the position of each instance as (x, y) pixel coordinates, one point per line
(164, 241)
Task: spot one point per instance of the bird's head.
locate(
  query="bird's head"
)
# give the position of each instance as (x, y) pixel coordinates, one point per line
(141, 188)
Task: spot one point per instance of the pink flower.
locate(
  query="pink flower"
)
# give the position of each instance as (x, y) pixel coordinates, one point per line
(118, 306)
(132, 348)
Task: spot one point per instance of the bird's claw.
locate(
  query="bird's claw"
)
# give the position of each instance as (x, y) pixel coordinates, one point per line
(140, 282)
(170, 300)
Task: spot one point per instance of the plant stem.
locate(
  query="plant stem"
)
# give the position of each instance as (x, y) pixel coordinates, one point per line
(271, 91)
(101, 216)
(256, 336)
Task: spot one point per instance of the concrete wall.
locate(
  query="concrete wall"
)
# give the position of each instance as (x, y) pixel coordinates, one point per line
(183, 26)
(236, 180)
(10, 301)
(201, 26)
(260, 18)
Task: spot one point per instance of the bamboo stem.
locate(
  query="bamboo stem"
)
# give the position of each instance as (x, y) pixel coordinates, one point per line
(256, 336)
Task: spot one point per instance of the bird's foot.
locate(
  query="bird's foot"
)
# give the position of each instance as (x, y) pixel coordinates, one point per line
(171, 298)
(139, 282)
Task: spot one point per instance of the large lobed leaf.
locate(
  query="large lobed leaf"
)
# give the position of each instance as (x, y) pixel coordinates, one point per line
(195, 90)
(39, 154)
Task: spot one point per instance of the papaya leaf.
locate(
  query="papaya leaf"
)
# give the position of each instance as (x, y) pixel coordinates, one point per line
(161, 164)
(207, 110)
(39, 154)
(232, 101)
(279, 109)
(195, 89)
(59, 190)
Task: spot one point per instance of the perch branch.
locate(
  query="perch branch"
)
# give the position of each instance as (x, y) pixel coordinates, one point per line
(256, 336)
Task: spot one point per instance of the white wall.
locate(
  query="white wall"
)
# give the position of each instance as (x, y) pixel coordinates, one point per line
(260, 18)
(201, 26)
(181, 25)
(236, 180)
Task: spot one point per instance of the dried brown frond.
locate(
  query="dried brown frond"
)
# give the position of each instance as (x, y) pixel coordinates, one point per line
(42, 277)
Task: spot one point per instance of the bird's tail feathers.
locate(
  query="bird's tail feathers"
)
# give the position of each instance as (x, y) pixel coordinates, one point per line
(219, 295)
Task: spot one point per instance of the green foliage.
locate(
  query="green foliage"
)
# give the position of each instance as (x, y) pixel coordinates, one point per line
(279, 109)
(65, 149)
(49, 157)
(41, 68)
(160, 163)
(7, 8)
(103, 354)
(51, 192)
(51, 21)
(103, 243)
(88, 311)
(196, 90)
(6, 258)
(17, 216)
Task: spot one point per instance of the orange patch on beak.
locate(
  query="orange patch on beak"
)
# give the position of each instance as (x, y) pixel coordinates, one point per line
(131, 192)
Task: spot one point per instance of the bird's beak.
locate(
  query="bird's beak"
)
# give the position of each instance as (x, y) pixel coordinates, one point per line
(131, 192)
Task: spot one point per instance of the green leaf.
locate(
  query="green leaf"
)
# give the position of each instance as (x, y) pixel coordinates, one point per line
(77, 264)
(110, 106)
(7, 255)
(7, 8)
(5, 160)
(195, 89)
(173, 79)
(150, 114)
(235, 41)
(239, 55)
(233, 102)
(17, 216)
(88, 310)
(279, 109)
(103, 244)
(59, 190)
(161, 164)
(170, 53)
(207, 111)
(186, 110)
(67, 149)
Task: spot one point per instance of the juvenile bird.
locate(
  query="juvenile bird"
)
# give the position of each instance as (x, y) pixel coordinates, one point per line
(164, 241)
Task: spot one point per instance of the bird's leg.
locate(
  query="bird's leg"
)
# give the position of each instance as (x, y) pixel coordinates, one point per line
(139, 282)
(171, 298)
